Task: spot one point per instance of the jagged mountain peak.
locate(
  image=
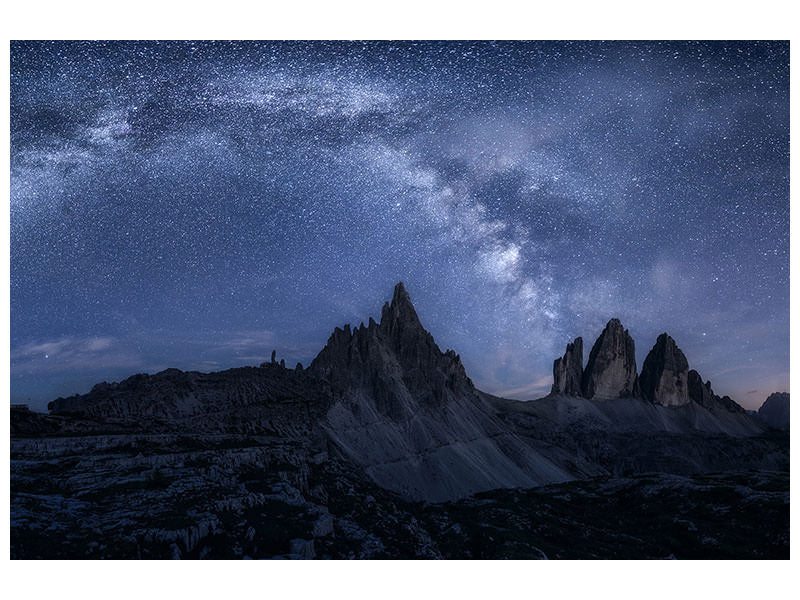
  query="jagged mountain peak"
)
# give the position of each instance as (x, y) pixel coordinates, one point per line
(400, 315)
(665, 339)
(568, 370)
(775, 410)
(395, 359)
(611, 369)
(610, 373)
(400, 293)
(665, 373)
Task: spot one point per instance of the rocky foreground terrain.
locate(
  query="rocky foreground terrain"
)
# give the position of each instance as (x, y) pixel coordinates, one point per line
(383, 448)
(233, 496)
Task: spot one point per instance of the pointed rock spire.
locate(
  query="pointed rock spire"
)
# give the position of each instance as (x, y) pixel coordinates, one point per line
(392, 361)
(568, 370)
(400, 314)
(611, 369)
(698, 391)
(703, 394)
(775, 410)
(665, 374)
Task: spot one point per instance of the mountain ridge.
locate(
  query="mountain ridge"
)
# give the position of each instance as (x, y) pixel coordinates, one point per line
(384, 396)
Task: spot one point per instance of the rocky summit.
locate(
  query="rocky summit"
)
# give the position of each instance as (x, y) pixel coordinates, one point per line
(611, 369)
(665, 380)
(384, 448)
(665, 374)
(568, 370)
(408, 414)
(775, 410)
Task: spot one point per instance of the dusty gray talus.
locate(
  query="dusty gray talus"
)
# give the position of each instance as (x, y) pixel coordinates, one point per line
(409, 415)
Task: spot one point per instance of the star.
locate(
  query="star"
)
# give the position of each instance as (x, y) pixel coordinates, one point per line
(192, 203)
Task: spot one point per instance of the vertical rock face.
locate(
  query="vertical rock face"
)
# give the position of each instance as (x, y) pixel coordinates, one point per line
(396, 362)
(698, 391)
(407, 413)
(665, 374)
(775, 410)
(568, 370)
(611, 373)
(611, 369)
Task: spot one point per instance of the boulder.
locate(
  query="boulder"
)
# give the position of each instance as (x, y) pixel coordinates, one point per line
(323, 526)
(303, 549)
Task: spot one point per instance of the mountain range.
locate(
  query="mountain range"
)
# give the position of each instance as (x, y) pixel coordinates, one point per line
(383, 406)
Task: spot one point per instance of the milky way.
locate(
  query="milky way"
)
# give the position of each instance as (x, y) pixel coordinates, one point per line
(198, 204)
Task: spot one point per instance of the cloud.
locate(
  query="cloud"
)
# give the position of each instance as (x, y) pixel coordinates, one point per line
(72, 353)
(246, 342)
(535, 389)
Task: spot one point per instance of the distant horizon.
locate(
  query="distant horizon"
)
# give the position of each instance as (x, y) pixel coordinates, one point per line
(291, 362)
(197, 204)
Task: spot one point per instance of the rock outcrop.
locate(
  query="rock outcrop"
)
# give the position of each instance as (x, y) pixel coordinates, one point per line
(568, 370)
(698, 391)
(704, 396)
(395, 362)
(611, 369)
(775, 410)
(407, 413)
(384, 400)
(610, 373)
(265, 400)
(665, 374)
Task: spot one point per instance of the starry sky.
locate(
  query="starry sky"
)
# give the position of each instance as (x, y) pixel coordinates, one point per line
(195, 205)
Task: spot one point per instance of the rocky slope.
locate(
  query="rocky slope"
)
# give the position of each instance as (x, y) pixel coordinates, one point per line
(332, 461)
(259, 400)
(775, 410)
(222, 496)
(407, 413)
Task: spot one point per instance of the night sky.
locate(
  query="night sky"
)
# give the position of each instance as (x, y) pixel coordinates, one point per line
(196, 205)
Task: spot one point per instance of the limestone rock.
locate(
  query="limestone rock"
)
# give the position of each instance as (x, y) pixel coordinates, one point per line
(394, 362)
(301, 548)
(267, 400)
(407, 413)
(611, 369)
(568, 370)
(730, 404)
(323, 526)
(698, 391)
(704, 396)
(665, 374)
(775, 410)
